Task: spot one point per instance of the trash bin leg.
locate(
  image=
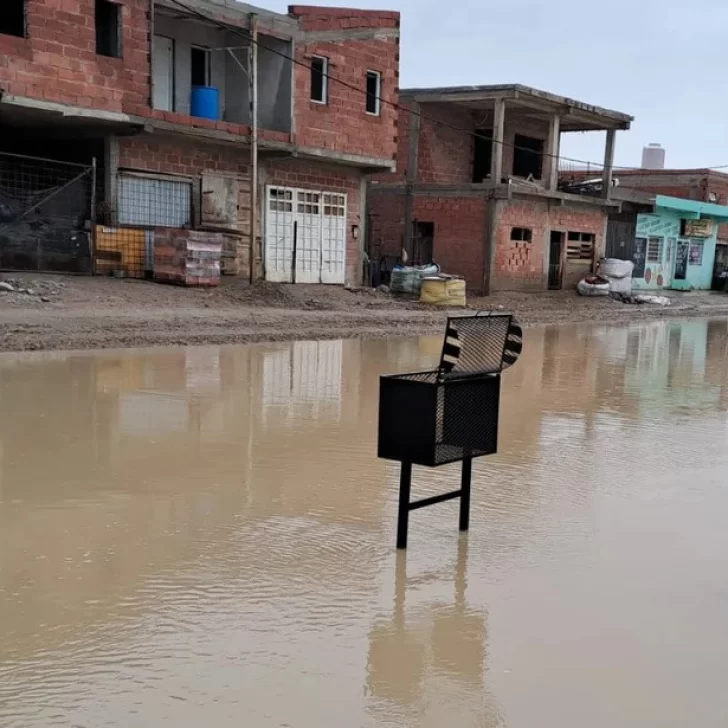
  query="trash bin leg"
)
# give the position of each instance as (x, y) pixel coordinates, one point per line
(405, 486)
(465, 494)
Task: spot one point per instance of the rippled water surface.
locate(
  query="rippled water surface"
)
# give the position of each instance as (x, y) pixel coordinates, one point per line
(204, 537)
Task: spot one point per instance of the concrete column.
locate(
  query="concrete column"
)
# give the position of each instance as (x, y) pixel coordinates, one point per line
(499, 123)
(411, 176)
(551, 163)
(608, 164)
(111, 176)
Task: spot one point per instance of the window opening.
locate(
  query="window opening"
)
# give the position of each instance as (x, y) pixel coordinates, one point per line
(374, 91)
(108, 23)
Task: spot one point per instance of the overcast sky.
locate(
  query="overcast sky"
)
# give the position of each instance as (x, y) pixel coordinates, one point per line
(662, 61)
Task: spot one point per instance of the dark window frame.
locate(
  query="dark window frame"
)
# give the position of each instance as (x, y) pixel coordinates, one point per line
(521, 235)
(528, 156)
(207, 71)
(373, 97)
(319, 80)
(108, 25)
(14, 18)
(482, 155)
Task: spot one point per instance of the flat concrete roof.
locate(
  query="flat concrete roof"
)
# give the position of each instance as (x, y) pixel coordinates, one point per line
(643, 172)
(583, 114)
(238, 13)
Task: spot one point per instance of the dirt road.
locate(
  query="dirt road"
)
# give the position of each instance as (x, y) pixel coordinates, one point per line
(53, 312)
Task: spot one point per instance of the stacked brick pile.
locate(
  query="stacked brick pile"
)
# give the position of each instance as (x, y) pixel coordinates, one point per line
(187, 257)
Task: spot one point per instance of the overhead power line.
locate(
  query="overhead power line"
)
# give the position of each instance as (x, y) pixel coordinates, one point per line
(423, 117)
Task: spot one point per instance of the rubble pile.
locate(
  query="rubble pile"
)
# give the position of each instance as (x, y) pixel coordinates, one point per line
(22, 292)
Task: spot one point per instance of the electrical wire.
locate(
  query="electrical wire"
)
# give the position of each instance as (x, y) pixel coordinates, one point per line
(423, 117)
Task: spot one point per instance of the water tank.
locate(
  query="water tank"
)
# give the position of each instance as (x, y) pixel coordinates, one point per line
(653, 157)
(205, 102)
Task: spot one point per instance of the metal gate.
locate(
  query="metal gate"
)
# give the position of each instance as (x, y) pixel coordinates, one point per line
(46, 211)
(305, 236)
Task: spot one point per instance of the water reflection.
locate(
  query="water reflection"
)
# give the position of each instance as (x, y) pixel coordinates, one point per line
(426, 662)
(205, 535)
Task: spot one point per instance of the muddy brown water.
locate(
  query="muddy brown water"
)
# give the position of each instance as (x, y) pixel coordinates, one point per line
(205, 537)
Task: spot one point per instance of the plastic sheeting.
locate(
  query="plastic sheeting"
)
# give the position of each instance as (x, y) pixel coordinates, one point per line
(615, 268)
(408, 279)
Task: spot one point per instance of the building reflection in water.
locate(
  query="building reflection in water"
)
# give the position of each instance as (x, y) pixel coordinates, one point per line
(426, 662)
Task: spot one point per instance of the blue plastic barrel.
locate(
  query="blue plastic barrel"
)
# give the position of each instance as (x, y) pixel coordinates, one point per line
(205, 102)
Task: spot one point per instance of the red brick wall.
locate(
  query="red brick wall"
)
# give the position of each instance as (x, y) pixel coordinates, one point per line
(329, 178)
(567, 219)
(386, 221)
(170, 155)
(460, 229)
(521, 265)
(57, 61)
(445, 154)
(343, 125)
(447, 144)
(167, 155)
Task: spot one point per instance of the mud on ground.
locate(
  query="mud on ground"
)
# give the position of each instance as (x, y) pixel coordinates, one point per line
(55, 312)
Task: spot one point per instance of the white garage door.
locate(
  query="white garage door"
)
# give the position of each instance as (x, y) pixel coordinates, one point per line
(316, 222)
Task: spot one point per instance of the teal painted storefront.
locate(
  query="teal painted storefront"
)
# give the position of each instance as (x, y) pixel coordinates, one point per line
(664, 257)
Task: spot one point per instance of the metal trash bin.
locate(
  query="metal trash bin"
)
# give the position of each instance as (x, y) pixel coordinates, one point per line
(449, 414)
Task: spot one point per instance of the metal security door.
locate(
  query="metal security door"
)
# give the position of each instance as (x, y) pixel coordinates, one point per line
(279, 221)
(556, 247)
(308, 237)
(333, 243)
(620, 236)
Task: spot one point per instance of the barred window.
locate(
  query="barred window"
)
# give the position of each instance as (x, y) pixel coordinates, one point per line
(152, 202)
(655, 247)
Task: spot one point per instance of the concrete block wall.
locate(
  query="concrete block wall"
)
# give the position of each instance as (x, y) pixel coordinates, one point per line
(343, 125)
(57, 62)
(318, 176)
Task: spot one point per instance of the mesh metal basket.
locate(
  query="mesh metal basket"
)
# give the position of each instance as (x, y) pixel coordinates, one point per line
(451, 413)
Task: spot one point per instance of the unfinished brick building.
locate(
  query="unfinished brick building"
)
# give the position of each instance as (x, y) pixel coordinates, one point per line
(189, 115)
(476, 188)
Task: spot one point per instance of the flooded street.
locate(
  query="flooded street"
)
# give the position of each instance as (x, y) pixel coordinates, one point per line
(204, 537)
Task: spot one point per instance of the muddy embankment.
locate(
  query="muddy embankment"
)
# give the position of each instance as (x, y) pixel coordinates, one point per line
(51, 312)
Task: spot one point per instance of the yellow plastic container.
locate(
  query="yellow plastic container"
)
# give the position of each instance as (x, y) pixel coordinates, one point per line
(445, 291)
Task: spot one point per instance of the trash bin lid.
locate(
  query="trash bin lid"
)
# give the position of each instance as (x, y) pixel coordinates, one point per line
(484, 343)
